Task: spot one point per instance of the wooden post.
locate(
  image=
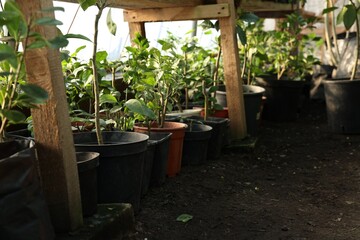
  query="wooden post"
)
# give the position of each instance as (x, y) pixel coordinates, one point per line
(136, 27)
(232, 75)
(53, 135)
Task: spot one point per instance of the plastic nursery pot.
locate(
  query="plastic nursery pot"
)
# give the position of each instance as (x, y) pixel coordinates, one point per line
(252, 102)
(219, 134)
(283, 98)
(342, 105)
(155, 166)
(87, 163)
(176, 143)
(121, 164)
(196, 142)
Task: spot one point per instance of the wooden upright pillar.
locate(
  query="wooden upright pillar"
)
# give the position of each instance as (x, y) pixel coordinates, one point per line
(232, 75)
(136, 27)
(53, 135)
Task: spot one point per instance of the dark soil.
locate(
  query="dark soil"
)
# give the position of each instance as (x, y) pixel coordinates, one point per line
(300, 182)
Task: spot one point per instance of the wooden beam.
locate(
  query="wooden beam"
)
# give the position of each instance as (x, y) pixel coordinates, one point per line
(232, 74)
(139, 4)
(53, 135)
(265, 6)
(213, 11)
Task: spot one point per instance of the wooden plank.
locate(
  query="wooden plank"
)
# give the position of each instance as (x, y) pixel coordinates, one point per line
(53, 135)
(137, 4)
(261, 6)
(231, 60)
(213, 11)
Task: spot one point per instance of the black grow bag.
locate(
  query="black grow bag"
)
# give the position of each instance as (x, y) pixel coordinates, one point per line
(23, 210)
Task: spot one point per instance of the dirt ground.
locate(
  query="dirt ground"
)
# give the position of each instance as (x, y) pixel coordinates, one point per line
(300, 182)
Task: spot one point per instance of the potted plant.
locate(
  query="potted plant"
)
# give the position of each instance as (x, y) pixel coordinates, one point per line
(288, 64)
(151, 74)
(188, 72)
(341, 95)
(121, 153)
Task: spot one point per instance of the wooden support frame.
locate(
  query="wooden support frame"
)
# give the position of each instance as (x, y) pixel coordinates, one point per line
(53, 135)
(177, 14)
(141, 4)
(232, 74)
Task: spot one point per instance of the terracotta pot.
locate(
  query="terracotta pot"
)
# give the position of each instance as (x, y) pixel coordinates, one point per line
(222, 113)
(176, 143)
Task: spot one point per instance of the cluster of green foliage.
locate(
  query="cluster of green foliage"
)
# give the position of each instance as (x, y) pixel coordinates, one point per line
(17, 38)
(285, 51)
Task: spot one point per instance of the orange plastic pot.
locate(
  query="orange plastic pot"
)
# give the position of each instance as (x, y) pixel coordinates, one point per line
(175, 145)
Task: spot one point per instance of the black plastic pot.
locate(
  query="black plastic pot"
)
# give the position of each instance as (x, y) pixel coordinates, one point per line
(161, 153)
(24, 212)
(20, 133)
(196, 143)
(219, 134)
(342, 105)
(283, 98)
(148, 164)
(87, 163)
(121, 164)
(252, 103)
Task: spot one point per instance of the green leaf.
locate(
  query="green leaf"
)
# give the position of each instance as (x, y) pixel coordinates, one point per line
(53, 9)
(14, 116)
(58, 42)
(241, 34)
(77, 36)
(7, 53)
(107, 98)
(110, 23)
(101, 56)
(85, 4)
(328, 10)
(136, 106)
(37, 44)
(184, 218)
(249, 17)
(48, 21)
(38, 95)
(116, 109)
(349, 16)
(16, 25)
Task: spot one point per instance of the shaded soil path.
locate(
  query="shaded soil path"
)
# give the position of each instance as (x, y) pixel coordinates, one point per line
(300, 182)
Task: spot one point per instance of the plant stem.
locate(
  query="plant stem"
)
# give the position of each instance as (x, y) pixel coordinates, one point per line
(216, 71)
(206, 103)
(96, 77)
